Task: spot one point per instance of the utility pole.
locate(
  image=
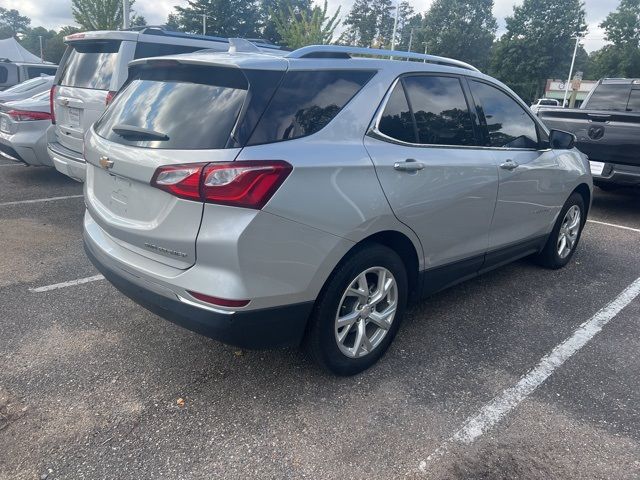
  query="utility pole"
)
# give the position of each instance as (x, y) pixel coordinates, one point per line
(410, 40)
(41, 51)
(425, 51)
(573, 61)
(125, 14)
(395, 28)
(204, 24)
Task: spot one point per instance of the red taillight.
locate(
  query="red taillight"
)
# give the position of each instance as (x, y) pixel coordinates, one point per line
(52, 94)
(223, 302)
(27, 116)
(248, 184)
(110, 96)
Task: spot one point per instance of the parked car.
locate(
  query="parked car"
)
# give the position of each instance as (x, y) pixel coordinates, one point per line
(27, 89)
(269, 201)
(23, 129)
(607, 126)
(93, 68)
(13, 73)
(544, 102)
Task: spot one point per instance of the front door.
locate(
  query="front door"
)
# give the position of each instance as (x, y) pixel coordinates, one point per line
(436, 180)
(531, 190)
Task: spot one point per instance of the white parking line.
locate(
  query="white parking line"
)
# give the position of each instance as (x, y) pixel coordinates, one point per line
(12, 165)
(39, 200)
(70, 283)
(510, 398)
(614, 225)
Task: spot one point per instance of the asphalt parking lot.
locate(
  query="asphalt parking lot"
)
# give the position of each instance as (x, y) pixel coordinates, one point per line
(93, 386)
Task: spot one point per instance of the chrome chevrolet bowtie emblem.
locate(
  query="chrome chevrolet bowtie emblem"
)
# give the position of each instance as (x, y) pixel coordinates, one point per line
(106, 163)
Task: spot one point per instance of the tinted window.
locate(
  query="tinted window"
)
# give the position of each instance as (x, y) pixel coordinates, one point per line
(508, 123)
(146, 49)
(186, 107)
(90, 64)
(440, 110)
(4, 74)
(548, 102)
(34, 72)
(634, 101)
(396, 120)
(307, 101)
(609, 97)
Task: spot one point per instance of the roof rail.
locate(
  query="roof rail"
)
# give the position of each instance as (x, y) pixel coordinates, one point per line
(340, 51)
(164, 32)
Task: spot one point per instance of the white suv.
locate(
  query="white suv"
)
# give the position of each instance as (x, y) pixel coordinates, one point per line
(93, 69)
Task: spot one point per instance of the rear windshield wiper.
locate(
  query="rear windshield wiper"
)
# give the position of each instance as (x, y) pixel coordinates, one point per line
(133, 133)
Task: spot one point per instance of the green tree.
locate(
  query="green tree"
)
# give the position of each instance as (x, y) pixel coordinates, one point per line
(369, 23)
(12, 23)
(98, 14)
(299, 29)
(460, 29)
(538, 44)
(273, 12)
(53, 46)
(226, 18)
(622, 29)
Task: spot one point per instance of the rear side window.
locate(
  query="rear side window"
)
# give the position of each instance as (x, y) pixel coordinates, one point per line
(508, 124)
(90, 64)
(305, 102)
(148, 49)
(440, 109)
(34, 72)
(634, 101)
(179, 107)
(609, 97)
(4, 74)
(396, 120)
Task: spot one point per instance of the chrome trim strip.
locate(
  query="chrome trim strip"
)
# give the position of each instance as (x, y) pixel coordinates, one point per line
(204, 307)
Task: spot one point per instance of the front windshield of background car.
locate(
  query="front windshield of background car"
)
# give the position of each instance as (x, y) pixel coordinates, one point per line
(27, 85)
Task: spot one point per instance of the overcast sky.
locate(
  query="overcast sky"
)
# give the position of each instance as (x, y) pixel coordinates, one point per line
(56, 13)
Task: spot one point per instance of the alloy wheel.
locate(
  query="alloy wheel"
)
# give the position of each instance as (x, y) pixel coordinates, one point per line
(569, 230)
(366, 311)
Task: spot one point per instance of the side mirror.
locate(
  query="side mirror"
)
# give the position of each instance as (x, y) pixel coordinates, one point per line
(560, 140)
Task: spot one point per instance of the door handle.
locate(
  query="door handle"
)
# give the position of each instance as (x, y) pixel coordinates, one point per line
(509, 165)
(409, 165)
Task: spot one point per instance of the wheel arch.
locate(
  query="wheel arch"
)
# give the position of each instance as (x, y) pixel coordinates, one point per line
(585, 192)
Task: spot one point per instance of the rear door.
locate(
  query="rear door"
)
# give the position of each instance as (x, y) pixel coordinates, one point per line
(436, 178)
(532, 186)
(164, 116)
(87, 75)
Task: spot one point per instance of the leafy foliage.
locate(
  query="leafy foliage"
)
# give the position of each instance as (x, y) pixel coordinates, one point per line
(297, 29)
(225, 18)
(369, 23)
(12, 23)
(461, 29)
(538, 44)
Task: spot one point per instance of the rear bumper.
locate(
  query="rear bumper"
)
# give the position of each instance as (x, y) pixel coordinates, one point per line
(67, 161)
(618, 174)
(254, 329)
(26, 146)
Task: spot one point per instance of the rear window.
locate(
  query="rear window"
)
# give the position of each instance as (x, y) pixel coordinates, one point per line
(181, 107)
(609, 97)
(148, 49)
(548, 102)
(4, 74)
(307, 101)
(634, 101)
(90, 64)
(34, 72)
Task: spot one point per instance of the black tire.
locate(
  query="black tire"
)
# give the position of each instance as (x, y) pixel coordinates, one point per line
(321, 342)
(549, 257)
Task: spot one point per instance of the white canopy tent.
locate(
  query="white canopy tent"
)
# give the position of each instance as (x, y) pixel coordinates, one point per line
(12, 50)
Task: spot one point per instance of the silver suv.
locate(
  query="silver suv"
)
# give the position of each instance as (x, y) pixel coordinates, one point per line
(93, 68)
(272, 201)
